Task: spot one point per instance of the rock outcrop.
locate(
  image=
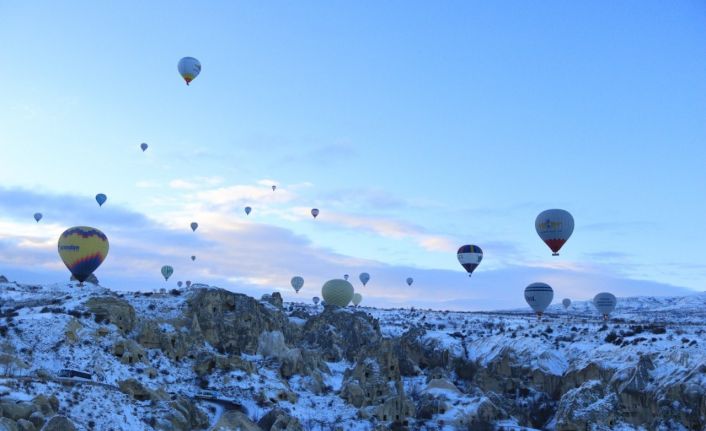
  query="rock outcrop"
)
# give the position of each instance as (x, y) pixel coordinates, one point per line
(235, 420)
(184, 416)
(232, 322)
(275, 299)
(341, 333)
(59, 423)
(176, 345)
(376, 381)
(279, 420)
(113, 310)
(586, 405)
(129, 352)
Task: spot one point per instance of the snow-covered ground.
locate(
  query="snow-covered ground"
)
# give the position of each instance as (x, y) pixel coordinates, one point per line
(35, 318)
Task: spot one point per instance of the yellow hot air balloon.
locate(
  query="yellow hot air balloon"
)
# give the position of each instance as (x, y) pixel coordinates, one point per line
(83, 249)
(337, 292)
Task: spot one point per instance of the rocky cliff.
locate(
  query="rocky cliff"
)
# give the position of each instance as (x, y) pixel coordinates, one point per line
(92, 359)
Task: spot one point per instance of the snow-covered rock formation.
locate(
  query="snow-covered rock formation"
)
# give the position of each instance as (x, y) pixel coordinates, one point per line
(88, 358)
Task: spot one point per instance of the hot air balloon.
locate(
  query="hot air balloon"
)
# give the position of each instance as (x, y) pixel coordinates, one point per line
(167, 272)
(315, 212)
(143, 146)
(189, 68)
(410, 280)
(273, 187)
(297, 283)
(345, 277)
(605, 303)
(364, 278)
(337, 292)
(554, 227)
(179, 283)
(193, 258)
(469, 256)
(194, 226)
(539, 296)
(83, 249)
(101, 198)
(247, 210)
(37, 216)
(315, 300)
(357, 297)
(566, 302)
(188, 283)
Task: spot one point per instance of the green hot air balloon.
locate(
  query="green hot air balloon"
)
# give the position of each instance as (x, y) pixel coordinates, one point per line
(297, 283)
(337, 292)
(167, 272)
(357, 297)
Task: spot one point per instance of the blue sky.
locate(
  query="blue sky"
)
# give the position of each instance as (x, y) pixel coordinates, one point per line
(414, 127)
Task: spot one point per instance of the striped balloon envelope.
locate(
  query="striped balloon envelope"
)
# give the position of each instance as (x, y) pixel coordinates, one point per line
(167, 271)
(469, 256)
(605, 303)
(539, 296)
(83, 249)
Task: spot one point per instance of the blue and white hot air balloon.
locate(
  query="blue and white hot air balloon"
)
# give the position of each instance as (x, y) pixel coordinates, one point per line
(469, 256)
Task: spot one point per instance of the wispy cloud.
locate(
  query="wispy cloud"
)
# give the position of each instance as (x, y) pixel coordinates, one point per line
(387, 228)
(255, 258)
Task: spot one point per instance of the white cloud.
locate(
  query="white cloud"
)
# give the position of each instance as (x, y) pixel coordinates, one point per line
(182, 185)
(253, 257)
